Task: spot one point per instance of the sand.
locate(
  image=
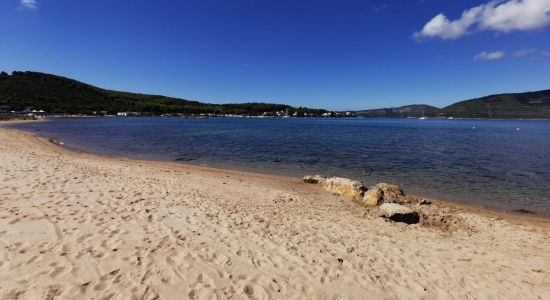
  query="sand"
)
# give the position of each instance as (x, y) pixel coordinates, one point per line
(79, 226)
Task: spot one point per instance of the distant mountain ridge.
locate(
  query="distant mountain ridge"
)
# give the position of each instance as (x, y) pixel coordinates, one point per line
(55, 94)
(530, 105)
(415, 110)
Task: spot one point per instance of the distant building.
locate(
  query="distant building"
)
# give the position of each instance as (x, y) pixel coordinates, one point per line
(128, 114)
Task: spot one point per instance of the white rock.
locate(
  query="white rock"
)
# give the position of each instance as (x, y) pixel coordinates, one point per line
(399, 213)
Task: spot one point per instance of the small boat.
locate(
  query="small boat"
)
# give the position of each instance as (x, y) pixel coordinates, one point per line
(422, 118)
(450, 118)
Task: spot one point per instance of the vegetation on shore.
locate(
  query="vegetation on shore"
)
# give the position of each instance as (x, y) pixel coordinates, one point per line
(54, 94)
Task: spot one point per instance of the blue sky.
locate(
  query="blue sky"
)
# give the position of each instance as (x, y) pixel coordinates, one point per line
(327, 54)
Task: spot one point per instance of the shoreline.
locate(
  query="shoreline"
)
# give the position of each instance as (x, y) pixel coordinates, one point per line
(291, 117)
(79, 225)
(509, 215)
(456, 204)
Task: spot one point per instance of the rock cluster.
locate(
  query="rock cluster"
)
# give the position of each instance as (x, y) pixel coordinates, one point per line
(392, 203)
(389, 197)
(371, 196)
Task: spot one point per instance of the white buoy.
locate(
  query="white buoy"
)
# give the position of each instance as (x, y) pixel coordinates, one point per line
(517, 129)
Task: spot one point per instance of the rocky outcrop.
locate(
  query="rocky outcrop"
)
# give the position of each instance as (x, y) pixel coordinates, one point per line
(345, 187)
(372, 196)
(383, 193)
(399, 213)
(390, 192)
(392, 202)
(342, 186)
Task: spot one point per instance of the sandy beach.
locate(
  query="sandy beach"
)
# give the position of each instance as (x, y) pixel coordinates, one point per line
(80, 226)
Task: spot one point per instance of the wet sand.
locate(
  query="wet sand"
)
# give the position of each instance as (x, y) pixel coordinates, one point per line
(75, 225)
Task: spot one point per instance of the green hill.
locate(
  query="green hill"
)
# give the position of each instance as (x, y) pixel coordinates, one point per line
(414, 110)
(531, 105)
(32, 90)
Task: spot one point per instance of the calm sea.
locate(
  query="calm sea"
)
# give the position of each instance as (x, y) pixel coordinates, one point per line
(493, 163)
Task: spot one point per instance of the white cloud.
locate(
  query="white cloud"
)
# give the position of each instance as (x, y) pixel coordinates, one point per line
(489, 55)
(497, 15)
(516, 15)
(545, 53)
(443, 28)
(29, 4)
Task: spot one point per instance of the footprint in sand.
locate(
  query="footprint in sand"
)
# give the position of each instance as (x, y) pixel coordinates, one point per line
(14, 221)
(56, 271)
